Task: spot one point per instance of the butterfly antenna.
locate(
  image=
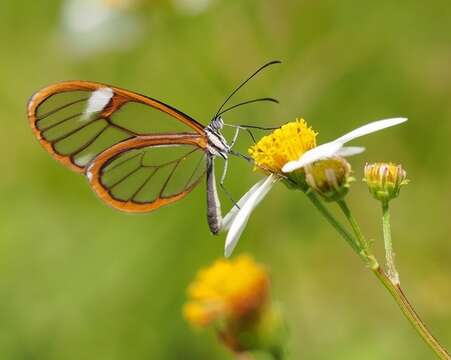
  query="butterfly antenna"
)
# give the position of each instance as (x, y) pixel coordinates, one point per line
(245, 82)
(248, 102)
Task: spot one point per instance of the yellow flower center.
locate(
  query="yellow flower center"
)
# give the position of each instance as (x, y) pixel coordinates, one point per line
(285, 144)
(385, 180)
(330, 177)
(329, 173)
(384, 172)
(228, 289)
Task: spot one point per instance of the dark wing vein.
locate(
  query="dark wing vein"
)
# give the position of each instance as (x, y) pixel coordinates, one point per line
(61, 122)
(115, 166)
(173, 161)
(61, 116)
(125, 177)
(146, 181)
(89, 142)
(196, 169)
(72, 132)
(51, 112)
(121, 128)
(177, 163)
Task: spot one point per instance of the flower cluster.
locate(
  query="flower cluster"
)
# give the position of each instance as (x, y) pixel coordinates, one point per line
(287, 154)
(234, 295)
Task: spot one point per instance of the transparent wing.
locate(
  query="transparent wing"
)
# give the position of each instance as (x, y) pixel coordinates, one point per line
(77, 120)
(141, 175)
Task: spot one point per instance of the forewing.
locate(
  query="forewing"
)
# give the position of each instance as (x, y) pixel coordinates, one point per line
(77, 120)
(143, 174)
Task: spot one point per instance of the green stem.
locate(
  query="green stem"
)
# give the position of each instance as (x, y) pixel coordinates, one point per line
(334, 222)
(389, 254)
(394, 289)
(397, 293)
(355, 226)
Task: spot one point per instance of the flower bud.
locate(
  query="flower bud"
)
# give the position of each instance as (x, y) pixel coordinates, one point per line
(330, 178)
(384, 180)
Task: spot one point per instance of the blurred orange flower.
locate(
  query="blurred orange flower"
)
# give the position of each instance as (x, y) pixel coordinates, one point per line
(227, 290)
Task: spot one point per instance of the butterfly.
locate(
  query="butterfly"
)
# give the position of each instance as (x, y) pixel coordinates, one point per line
(131, 160)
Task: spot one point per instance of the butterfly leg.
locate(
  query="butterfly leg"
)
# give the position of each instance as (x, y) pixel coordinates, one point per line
(222, 181)
(238, 128)
(250, 134)
(238, 154)
(235, 137)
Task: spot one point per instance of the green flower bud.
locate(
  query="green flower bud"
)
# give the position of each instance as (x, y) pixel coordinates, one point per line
(329, 178)
(384, 180)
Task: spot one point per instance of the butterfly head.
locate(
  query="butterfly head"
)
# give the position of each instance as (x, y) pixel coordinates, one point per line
(217, 123)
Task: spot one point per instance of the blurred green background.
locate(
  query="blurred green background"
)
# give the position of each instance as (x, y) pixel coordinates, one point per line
(79, 280)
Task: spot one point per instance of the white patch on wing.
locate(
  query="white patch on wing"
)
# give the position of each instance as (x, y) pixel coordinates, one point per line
(89, 173)
(99, 100)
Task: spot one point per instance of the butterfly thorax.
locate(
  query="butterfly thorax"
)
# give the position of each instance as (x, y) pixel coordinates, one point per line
(217, 144)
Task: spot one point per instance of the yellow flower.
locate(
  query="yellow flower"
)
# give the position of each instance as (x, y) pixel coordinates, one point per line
(228, 290)
(288, 143)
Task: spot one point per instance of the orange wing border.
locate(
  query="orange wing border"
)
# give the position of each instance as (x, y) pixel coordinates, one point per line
(94, 170)
(120, 97)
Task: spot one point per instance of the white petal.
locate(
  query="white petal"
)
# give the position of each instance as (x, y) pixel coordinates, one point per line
(228, 219)
(335, 147)
(370, 128)
(323, 151)
(241, 218)
(350, 150)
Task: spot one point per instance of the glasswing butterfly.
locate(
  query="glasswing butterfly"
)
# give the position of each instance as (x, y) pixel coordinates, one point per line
(131, 160)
